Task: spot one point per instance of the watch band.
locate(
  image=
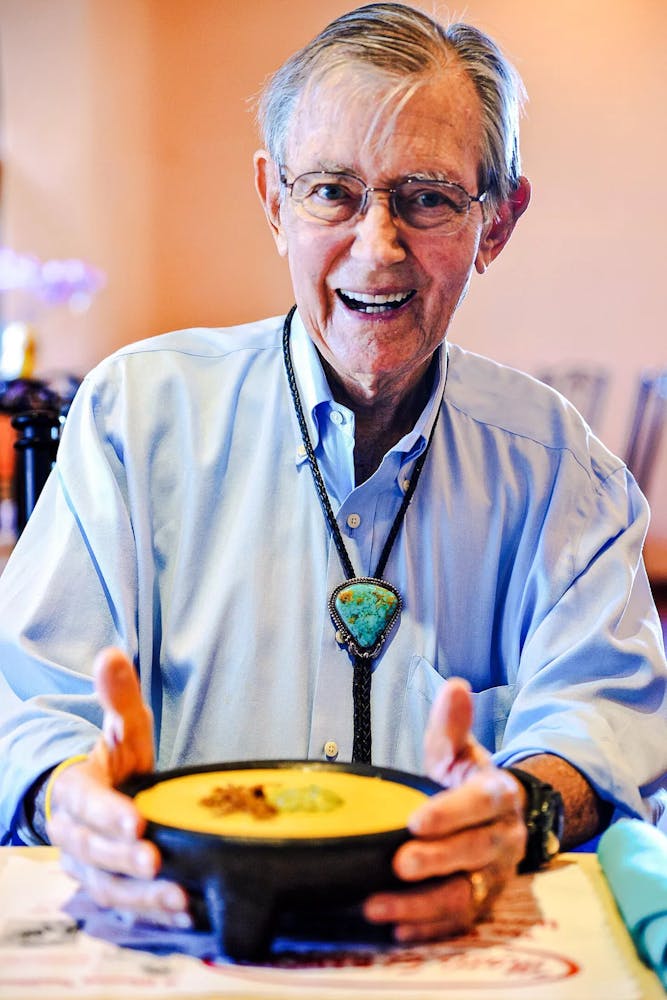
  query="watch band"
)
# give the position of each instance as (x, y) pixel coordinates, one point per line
(544, 820)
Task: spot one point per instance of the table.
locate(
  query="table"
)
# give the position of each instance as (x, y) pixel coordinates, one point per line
(650, 987)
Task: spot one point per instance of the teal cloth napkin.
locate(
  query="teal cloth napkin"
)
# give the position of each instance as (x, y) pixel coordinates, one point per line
(633, 856)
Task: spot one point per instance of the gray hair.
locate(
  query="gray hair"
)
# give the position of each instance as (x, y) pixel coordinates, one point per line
(407, 45)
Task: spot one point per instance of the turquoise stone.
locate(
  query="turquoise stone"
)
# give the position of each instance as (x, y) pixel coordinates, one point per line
(365, 609)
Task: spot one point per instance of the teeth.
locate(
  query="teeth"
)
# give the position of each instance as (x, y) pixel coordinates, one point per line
(375, 300)
(365, 302)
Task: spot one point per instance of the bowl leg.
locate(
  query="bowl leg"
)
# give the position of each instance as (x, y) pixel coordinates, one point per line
(242, 920)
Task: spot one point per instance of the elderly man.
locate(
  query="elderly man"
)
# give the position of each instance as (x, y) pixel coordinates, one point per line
(220, 494)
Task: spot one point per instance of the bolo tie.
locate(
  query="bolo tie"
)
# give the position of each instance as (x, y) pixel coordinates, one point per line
(363, 609)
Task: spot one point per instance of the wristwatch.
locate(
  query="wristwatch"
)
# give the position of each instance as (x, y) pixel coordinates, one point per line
(544, 819)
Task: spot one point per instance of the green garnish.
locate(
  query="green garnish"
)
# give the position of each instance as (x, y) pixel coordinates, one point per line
(311, 798)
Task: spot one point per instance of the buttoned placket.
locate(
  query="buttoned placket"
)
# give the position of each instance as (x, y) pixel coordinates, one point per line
(364, 515)
(366, 508)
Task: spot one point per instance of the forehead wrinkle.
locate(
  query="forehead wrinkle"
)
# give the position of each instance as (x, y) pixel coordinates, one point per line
(321, 165)
(340, 88)
(330, 98)
(333, 167)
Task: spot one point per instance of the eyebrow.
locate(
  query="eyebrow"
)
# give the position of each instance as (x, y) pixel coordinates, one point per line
(333, 168)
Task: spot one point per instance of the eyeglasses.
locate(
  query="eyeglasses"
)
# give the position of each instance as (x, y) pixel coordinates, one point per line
(334, 198)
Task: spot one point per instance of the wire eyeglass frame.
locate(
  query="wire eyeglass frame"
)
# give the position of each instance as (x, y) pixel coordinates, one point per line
(403, 202)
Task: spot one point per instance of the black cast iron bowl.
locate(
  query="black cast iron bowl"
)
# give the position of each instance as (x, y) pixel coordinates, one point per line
(245, 883)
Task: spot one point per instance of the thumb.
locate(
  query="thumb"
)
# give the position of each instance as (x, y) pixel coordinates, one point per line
(127, 730)
(451, 752)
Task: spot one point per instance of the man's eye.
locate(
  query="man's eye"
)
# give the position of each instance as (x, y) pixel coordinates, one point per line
(331, 192)
(426, 198)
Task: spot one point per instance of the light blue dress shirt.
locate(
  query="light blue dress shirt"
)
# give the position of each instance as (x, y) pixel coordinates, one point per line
(182, 524)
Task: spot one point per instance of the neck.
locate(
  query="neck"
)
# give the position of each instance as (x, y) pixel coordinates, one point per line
(383, 415)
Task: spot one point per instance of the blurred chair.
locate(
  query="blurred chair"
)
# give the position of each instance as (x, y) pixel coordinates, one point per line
(584, 385)
(647, 427)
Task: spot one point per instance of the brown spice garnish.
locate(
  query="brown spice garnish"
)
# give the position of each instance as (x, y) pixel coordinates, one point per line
(226, 799)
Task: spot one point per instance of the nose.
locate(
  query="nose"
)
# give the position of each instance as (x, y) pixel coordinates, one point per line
(376, 232)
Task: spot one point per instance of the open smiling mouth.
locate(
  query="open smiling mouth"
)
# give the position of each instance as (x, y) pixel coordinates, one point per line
(368, 303)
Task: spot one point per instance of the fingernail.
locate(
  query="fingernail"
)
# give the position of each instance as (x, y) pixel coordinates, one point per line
(128, 826)
(143, 861)
(182, 920)
(112, 730)
(411, 865)
(376, 909)
(172, 898)
(419, 822)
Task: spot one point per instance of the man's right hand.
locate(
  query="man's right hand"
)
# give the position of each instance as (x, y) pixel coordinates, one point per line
(99, 830)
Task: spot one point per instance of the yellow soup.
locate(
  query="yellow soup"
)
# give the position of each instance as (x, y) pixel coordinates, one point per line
(356, 804)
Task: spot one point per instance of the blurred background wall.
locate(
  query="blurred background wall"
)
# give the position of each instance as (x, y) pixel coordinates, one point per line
(127, 140)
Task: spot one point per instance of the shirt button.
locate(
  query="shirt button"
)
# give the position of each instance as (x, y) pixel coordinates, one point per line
(405, 485)
(353, 520)
(301, 450)
(337, 417)
(331, 750)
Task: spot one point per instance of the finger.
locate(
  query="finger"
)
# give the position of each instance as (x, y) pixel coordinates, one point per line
(489, 794)
(180, 920)
(435, 910)
(450, 749)
(128, 724)
(441, 909)
(87, 846)
(451, 719)
(138, 896)
(499, 844)
(82, 796)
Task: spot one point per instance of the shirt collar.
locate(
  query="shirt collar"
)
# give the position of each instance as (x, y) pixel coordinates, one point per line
(314, 390)
(310, 378)
(414, 442)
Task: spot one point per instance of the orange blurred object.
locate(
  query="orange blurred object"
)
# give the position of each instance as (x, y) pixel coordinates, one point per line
(7, 456)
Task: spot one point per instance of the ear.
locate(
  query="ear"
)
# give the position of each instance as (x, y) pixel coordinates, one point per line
(267, 185)
(498, 230)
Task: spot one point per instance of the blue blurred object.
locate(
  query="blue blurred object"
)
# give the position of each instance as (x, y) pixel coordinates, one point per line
(633, 857)
(588, 847)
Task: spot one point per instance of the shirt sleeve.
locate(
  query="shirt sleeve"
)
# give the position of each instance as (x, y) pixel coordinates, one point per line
(67, 591)
(591, 674)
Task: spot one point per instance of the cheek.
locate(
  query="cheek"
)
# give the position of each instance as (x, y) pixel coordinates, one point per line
(449, 271)
(310, 262)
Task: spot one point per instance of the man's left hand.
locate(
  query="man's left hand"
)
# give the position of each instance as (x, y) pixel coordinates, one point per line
(470, 838)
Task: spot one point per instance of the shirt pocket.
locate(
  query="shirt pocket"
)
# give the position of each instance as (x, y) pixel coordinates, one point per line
(491, 708)
(422, 686)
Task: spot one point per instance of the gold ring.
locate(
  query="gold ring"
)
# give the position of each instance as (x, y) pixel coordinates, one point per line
(479, 888)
